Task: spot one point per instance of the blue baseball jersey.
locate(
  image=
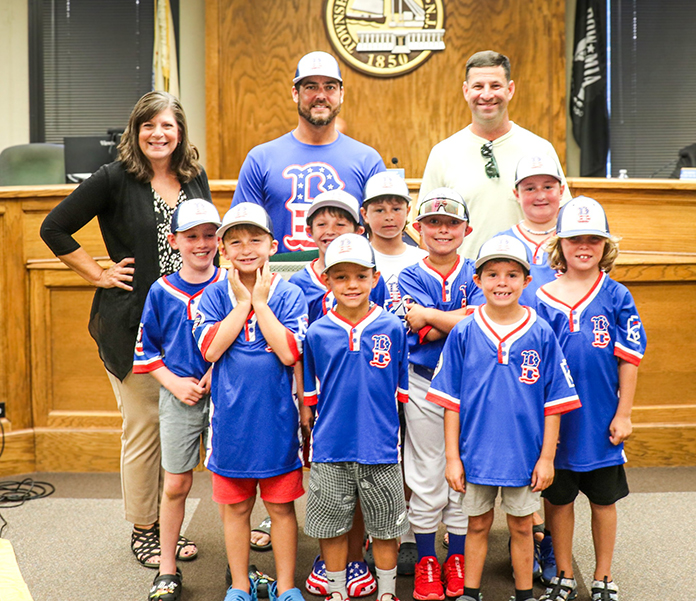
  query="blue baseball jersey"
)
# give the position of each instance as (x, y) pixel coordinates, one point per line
(252, 387)
(538, 265)
(426, 286)
(165, 336)
(320, 300)
(503, 388)
(600, 329)
(356, 374)
(285, 175)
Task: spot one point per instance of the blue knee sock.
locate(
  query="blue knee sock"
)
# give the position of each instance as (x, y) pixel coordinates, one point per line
(425, 544)
(456, 544)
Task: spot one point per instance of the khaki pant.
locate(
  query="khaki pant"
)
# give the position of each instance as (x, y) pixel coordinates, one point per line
(141, 473)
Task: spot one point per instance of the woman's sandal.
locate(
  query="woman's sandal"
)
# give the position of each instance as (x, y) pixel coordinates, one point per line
(145, 545)
(166, 587)
(182, 544)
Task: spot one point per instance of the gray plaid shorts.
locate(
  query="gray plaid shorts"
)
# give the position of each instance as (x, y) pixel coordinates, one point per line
(334, 488)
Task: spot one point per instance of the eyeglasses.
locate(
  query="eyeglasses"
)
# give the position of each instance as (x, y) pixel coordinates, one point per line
(491, 166)
(443, 205)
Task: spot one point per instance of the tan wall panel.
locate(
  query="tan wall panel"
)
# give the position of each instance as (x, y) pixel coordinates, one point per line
(82, 384)
(253, 49)
(18, 456)
(60, 450)
(661, 445)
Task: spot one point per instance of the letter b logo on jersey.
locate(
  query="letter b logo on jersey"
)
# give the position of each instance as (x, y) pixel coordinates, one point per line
(600, 329)
(380, 351)
(530, 367)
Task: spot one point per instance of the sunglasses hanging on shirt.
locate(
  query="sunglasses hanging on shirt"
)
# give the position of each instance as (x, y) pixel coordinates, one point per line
(491, 165)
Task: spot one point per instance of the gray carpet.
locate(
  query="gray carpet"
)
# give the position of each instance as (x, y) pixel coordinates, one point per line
(74, 545)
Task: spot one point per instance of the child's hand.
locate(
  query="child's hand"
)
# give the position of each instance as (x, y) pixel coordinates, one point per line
(240, 290)
(416, 316)
(207, 380)
(620, 429)
(542, 476)
(454, 474)
(187, 390)
(262, 287)
(306, 421)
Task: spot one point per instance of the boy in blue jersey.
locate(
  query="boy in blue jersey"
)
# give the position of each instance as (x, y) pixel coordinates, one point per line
(437, 291)
(166, 349)
(539, 189)
(355, 372)
(251, 326)
(602, 336)
(503, 382)
(331, 214)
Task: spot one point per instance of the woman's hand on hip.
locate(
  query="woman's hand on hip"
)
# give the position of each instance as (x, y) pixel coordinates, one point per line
(119, 275)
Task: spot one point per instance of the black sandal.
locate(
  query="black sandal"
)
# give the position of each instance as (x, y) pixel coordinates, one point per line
(181, 544)
(166, 587)
(145, 545)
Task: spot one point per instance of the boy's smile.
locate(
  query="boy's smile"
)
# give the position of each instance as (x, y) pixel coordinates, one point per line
(441, 234)
(583, 253)
(351, 285)
(327, 227)
(196, 245)
(539, 197)
(502, 283)
(247, 249)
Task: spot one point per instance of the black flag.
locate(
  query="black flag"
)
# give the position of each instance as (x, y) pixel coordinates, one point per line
(588, 101)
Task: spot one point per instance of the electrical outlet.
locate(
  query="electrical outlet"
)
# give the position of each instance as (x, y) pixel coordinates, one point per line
(2, 410)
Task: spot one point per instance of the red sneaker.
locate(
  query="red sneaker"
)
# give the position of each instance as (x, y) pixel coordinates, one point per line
(427, 583)
(453, 570)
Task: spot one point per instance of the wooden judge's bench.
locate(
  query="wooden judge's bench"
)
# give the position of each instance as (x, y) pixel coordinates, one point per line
(61, 414)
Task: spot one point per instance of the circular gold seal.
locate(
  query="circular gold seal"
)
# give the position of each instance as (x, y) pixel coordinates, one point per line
(385, 38)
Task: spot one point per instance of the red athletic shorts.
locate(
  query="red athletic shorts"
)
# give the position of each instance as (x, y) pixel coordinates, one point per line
(283, 488)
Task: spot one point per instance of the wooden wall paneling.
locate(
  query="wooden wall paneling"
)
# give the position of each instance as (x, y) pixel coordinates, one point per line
(249, 77)
(649, 215)
(15, 319)
(19, 456)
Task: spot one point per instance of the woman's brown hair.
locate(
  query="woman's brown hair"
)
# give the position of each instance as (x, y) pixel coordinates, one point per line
(184, 159)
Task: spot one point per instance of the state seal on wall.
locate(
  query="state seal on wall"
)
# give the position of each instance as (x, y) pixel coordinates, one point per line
(385, 38)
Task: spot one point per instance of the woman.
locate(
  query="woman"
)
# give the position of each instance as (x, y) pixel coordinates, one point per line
(133, 198)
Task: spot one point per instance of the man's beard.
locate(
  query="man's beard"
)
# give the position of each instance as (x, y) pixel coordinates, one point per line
(307, 114)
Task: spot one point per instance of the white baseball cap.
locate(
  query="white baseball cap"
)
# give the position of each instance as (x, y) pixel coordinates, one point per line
(349, 248)
(443, 201)
(582, 216)
(336, 198)
(502, 247)
(193, 212)
(536, 165)
(317, 63)
(386, 183)
(246, 213)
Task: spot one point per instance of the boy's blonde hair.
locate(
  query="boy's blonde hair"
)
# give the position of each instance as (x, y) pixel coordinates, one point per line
(252, 230)
(558, 262)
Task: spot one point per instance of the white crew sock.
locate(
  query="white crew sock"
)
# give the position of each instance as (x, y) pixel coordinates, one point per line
(337, 583)
(386, 582)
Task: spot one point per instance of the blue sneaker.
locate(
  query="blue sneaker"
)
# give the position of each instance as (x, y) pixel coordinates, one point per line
(547, 559)
(292, 594)
(236, 594)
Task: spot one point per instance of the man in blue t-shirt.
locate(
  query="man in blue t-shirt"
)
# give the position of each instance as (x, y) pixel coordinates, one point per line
(286, 174)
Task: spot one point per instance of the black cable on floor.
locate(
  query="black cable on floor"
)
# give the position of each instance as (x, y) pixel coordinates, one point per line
(15, 494)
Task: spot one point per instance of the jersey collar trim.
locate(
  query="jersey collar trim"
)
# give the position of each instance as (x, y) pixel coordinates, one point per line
(445, 280)
(355, 330)
(505, 344)
(574, 313)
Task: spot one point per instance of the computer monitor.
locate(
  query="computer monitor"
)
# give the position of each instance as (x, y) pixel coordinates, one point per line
(85, 154)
